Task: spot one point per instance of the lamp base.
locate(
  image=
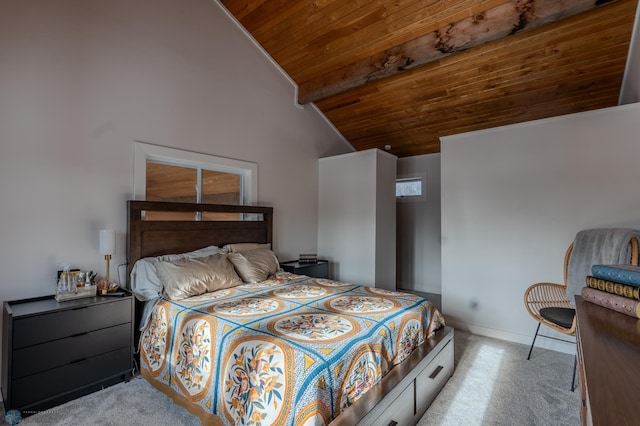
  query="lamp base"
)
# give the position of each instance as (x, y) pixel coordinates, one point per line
(107, 258)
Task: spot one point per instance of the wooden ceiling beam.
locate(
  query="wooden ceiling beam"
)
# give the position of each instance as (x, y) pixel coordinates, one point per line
(495, 23)
(412, 19)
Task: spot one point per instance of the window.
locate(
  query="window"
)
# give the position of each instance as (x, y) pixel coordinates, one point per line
(410, 188)
(166, 174)
(187, 184)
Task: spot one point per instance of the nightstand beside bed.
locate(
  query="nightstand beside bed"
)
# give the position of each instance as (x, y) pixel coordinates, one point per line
(319, 269)
(53, 352)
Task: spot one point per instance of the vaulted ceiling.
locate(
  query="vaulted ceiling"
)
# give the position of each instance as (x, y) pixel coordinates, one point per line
(404, 73)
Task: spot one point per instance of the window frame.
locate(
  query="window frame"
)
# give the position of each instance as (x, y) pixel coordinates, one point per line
(144, 152)
(413, 198)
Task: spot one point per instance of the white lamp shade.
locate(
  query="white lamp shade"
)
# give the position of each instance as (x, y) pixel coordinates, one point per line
(107, 241)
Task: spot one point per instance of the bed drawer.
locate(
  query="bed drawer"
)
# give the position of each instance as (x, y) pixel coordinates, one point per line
(430, 380)
(402, 412)
(403, 395)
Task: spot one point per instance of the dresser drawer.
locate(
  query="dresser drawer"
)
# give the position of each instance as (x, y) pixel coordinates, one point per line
(36, 387)
(57, 325)
(432, 379)
(36, 358)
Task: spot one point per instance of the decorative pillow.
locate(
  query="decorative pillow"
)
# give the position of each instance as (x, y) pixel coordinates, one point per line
(144, 280)
(240, 247)
(254, 265)
(188, 277)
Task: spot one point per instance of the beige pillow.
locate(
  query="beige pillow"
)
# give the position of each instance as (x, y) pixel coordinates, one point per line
(240, 247)
(182, 278)
(255, 265)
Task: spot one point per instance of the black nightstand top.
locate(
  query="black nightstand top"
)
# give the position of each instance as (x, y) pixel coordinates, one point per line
(43, 304)
(298, 264)
(319, 269)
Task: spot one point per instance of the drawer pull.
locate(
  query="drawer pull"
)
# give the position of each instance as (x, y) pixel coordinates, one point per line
(78, 308)
(393, 423)
(436, 372)
(78, 360)
(79, 334)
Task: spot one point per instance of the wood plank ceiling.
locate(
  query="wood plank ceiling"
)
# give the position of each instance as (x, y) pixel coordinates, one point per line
(406, 72)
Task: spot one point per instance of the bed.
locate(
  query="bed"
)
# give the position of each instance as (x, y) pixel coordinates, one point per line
(280, 349)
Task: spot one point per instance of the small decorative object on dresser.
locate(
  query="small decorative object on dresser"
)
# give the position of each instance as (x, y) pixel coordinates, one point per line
(53, 352)
(318, 269)
(74, 284)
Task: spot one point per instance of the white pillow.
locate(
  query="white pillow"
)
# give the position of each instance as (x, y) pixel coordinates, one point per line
(144, 279)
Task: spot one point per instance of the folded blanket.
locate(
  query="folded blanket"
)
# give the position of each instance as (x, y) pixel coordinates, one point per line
(596, 246)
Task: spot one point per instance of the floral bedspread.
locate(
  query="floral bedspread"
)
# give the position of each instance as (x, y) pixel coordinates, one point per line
(289, 350)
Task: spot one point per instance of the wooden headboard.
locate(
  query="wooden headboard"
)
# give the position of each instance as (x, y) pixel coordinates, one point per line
(233, 224)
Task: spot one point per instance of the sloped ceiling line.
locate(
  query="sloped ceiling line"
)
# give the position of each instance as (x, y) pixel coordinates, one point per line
(406, 72)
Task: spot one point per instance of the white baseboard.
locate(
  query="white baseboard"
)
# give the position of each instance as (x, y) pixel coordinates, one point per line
(541, 342)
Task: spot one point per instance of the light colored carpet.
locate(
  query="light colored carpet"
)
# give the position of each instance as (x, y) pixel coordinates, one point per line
(132, 403)
(493, 384)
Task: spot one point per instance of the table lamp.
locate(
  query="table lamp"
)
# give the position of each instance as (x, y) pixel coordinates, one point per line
(107, 246)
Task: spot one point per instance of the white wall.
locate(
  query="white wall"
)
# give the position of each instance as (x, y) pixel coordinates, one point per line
(419, 227)
(513, 199)
(386, 221)
(80, 81)
(357, 217)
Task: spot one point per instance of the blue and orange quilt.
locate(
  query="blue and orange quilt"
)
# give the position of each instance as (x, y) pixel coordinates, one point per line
(288, 350)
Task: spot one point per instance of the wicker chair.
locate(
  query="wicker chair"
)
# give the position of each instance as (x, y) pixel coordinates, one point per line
(548, 305)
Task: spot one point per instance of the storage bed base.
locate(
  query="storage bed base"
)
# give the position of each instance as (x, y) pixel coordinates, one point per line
(401, 397)
(404, 394)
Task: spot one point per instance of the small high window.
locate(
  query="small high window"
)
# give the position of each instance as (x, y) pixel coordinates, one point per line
(410, 189)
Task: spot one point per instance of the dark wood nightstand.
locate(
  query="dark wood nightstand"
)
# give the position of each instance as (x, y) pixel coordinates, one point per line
(53, 352)
(316, 270)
